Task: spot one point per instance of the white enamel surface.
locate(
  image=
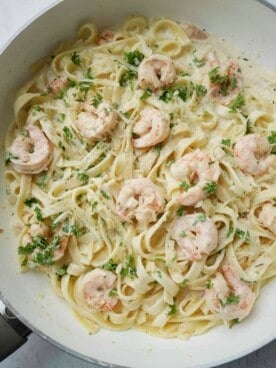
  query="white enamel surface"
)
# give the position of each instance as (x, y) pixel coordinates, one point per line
(248, 25)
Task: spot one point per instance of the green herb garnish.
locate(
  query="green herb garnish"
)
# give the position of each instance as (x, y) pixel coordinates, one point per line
(76, 58)
(97, 100)
(237, 103)
(147, 93)
(180, 211)
(127, 78)
(272, 138)
(210, 188)
(110, 265)
(83, 176)
(30, 201)
(226, 142)
(38, 213)
(134, 57)
(68, 134)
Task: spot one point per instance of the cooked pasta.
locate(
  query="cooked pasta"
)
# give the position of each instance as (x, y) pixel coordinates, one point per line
(141, 166)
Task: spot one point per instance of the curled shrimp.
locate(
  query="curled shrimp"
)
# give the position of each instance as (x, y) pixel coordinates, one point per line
(223, 79)
(199, 169)
(193, 32)
(251, 154)
(229, 297)
(31, 152)
(34, 231)
(156, 72)
(96, 122)
(95, 287)
(152, 127)
(196, 235)
(41, 230)
(140, 199)
(267, 217)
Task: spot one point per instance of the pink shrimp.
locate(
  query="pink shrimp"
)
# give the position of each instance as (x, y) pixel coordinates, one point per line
(199, 169)
(196, 235)
(31, 153)
(229, 297)
(140, 199)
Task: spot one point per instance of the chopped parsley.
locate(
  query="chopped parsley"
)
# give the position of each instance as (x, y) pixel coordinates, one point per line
(237, 103)
(198, 62)
(83, 176)
(230, 231)
(104, 194)
(72, 229)
(230, 300)
(173, 310)
(208, 284)
(129, 269)
(210, 188)
(62, 270)
(112, 293)
(185, 185)
(127, 78)
(147, 93)
(88, 74)
(27, 249)
(180, 211)
(272, 138)
(226, 142)
(244, 235)
(94, 205)
(10, 157)
(76, 58)
(200, 90)
(110, 265)
(97, 100)
(167, 95)
(200, 218)
(68, 134)
(30, 201)
(38, 213)
(183, 93)
(134, 57)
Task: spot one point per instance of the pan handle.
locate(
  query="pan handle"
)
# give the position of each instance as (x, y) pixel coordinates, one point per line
(13, 334)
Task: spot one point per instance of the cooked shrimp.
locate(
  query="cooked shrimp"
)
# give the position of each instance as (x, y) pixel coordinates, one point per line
(251, 154)
(152, 127)
(229, 296)
(96, 286)
(193, 32)
(226, 83)
(41, 230)
(140, 199)
(196, 235)
(31, 152)
(57, 84)
(156, 72)
(198, 168)
(267, 217)
(34, 231)
(96, 123)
